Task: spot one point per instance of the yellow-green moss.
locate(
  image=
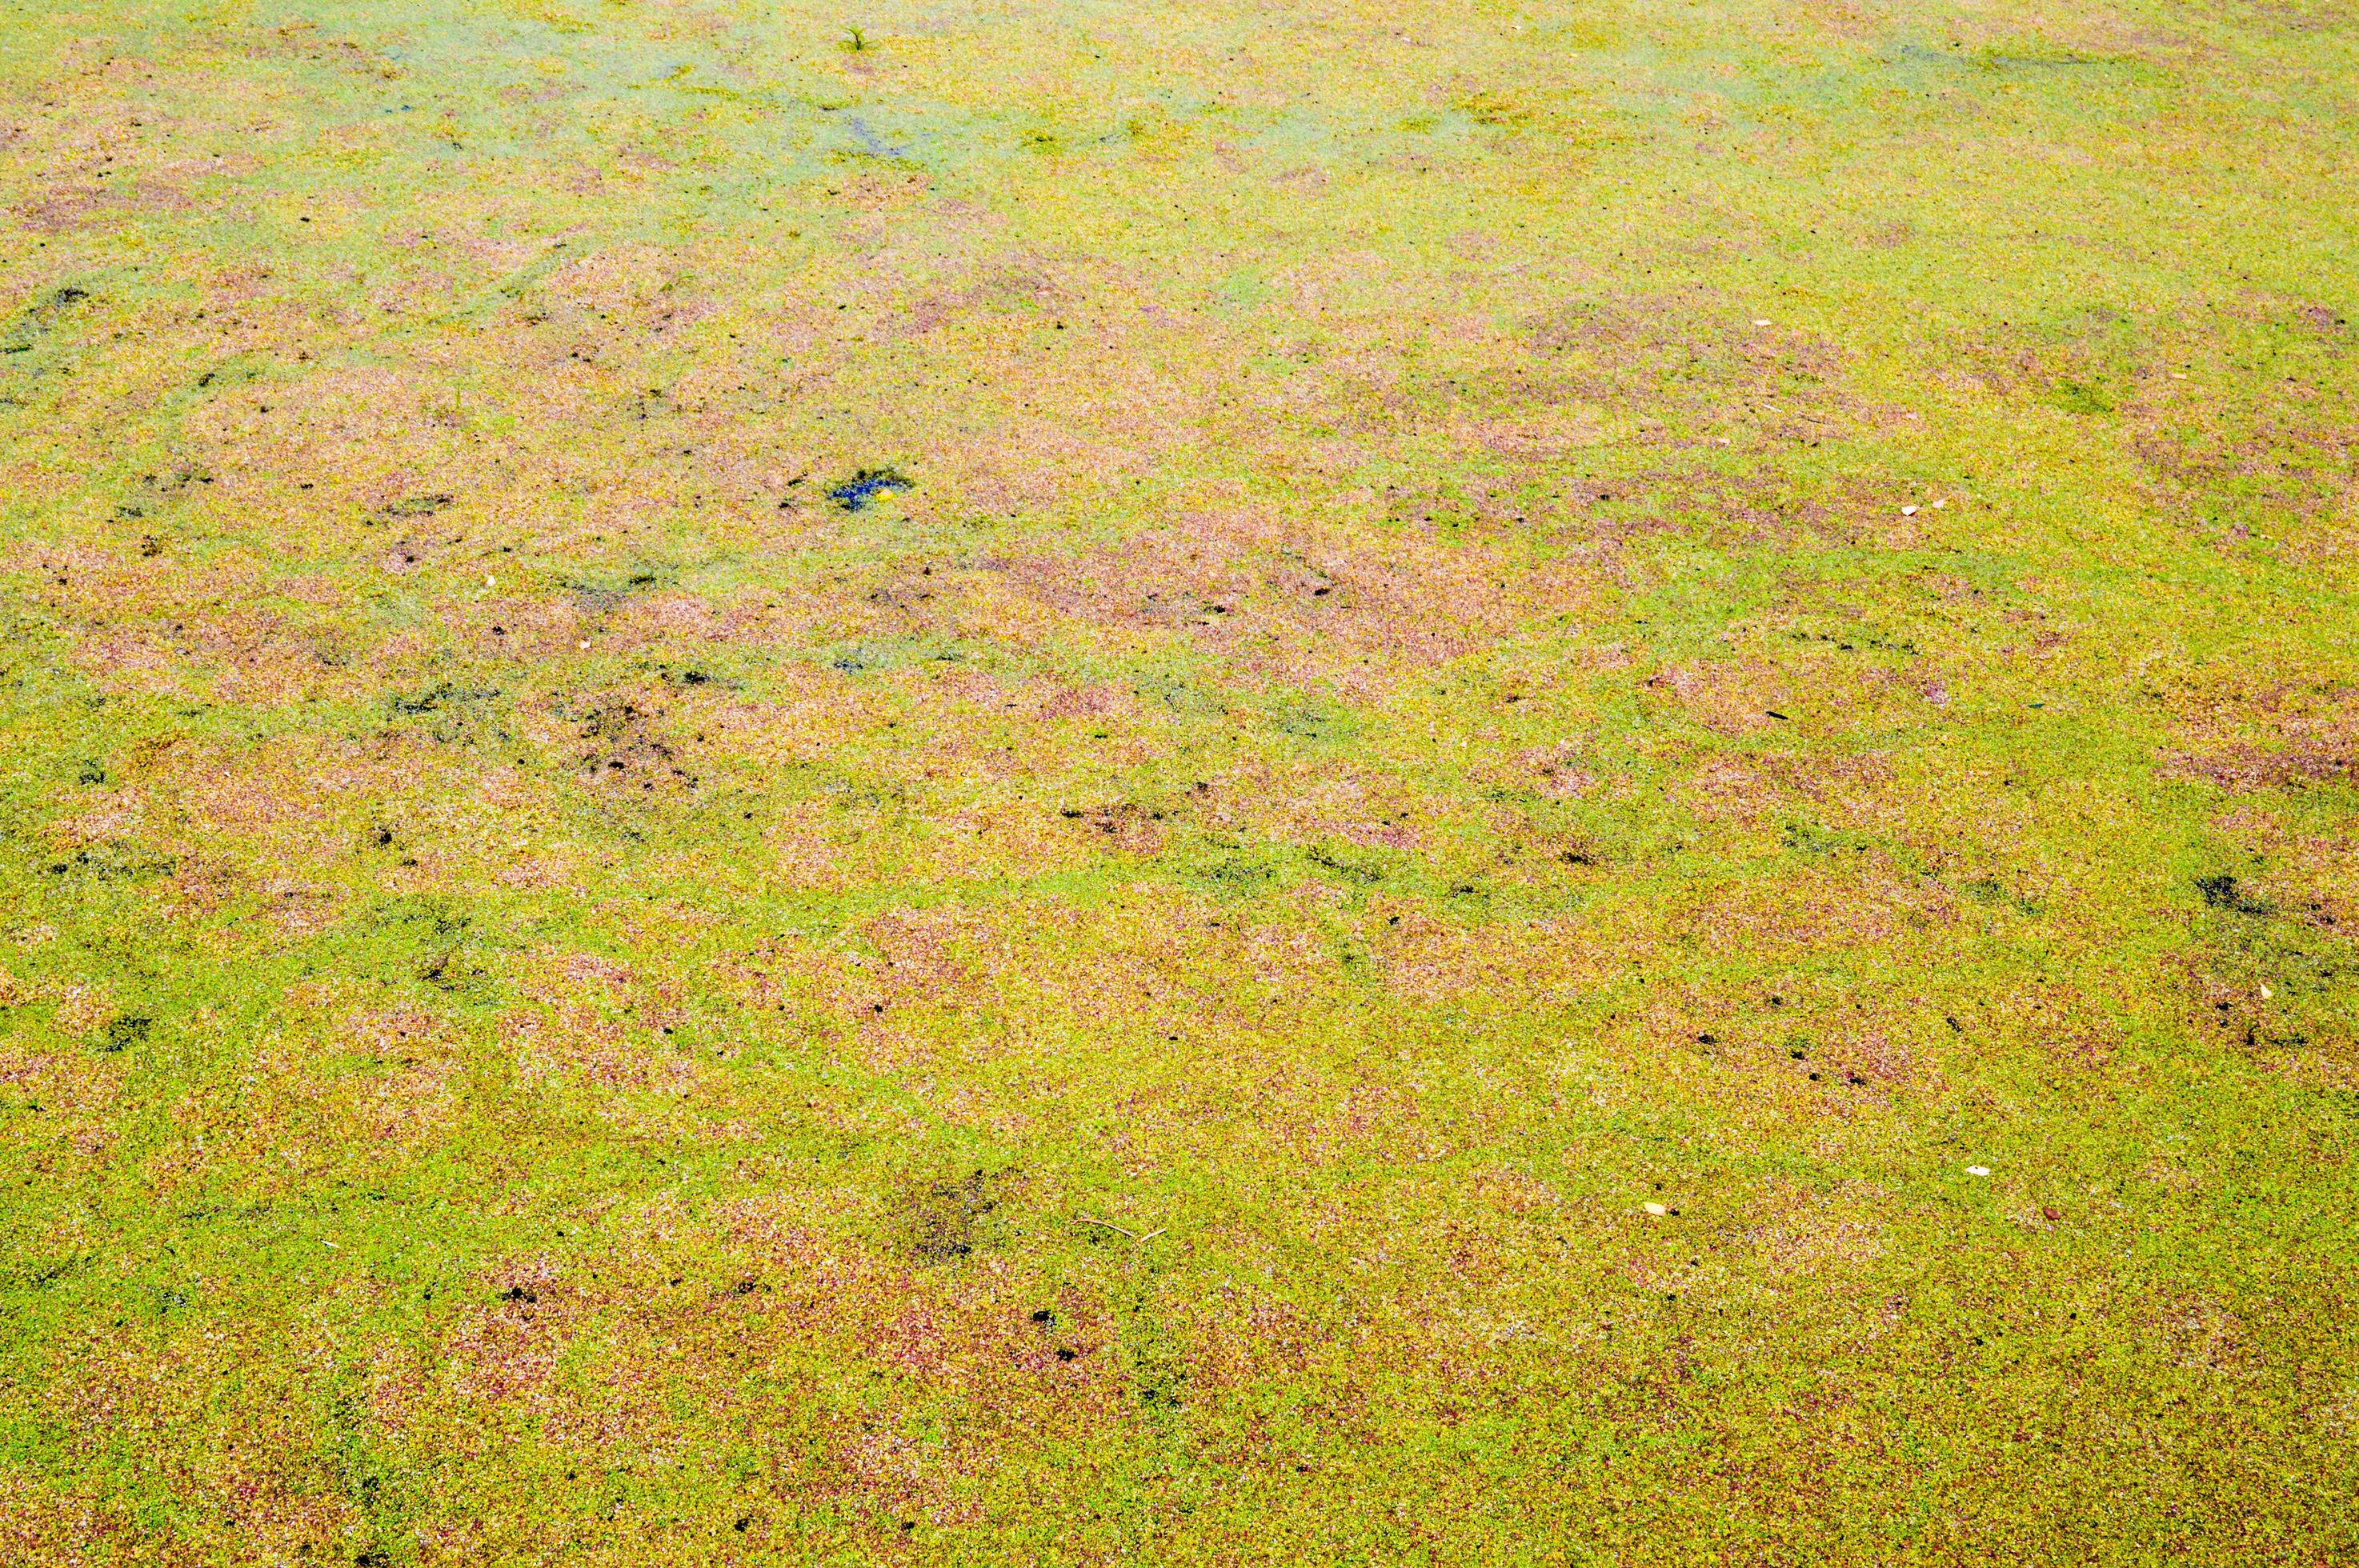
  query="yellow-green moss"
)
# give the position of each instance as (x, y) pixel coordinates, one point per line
(1585, 796)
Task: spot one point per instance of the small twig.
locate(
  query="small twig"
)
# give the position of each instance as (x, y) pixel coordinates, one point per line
(1109, 1225)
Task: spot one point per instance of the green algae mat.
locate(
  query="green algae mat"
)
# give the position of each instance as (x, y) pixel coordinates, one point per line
(1241, 784)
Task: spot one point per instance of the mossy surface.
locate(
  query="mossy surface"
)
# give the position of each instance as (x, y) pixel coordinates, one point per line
(1051, 784)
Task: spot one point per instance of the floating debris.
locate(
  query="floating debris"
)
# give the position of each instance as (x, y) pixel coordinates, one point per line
(866, 486)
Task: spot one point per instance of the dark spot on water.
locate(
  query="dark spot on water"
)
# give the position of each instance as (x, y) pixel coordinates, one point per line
(2221, 892)
(947, 1220)
(866, 485)
(2079, 397)
(1363, 875)
(418, 505)
(40, 317)
(111, 864)
(440, 695)
(125, 1032)
(517, 1294)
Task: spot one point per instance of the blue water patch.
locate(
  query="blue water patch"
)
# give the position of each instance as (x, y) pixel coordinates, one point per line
(868, 139)
(866, 486)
